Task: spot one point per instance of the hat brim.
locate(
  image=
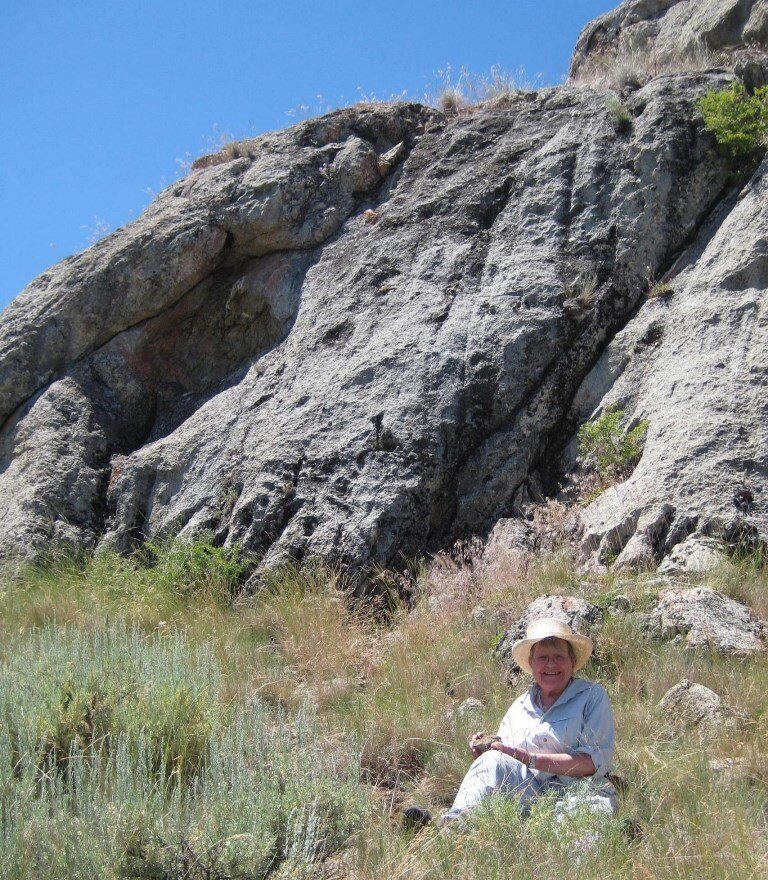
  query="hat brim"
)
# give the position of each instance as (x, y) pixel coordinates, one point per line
(582, 648)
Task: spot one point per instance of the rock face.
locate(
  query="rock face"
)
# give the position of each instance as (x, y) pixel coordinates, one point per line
(694, 555)
(675, 33)
(367, 336)
(707, 620)
(694, 366)
(508, 550)
(690, 706)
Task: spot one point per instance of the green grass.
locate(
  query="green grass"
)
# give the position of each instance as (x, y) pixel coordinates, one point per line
(618, 113)
(660, 290)
(153, 723)
(609, 448)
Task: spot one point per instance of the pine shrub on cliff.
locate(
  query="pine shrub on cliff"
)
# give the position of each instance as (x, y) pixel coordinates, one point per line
(738, 120)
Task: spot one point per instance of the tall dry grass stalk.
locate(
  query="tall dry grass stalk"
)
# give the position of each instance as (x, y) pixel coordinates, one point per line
(631, 67)
(462, 91)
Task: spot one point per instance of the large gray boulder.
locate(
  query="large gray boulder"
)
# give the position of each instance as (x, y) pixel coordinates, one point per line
(358, 338)
(690, 707)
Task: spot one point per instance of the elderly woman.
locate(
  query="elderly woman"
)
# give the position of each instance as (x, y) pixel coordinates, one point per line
(557, 735)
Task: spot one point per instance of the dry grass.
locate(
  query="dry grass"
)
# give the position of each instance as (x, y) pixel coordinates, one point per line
(392, 686)
(678, 800)
(660, 290)
(463, 92)
(632, 67)
(307, 617)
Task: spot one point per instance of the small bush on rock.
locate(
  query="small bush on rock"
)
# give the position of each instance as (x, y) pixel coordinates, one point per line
(605, 446)
(660, 290)
(738, 120)
(619, 114)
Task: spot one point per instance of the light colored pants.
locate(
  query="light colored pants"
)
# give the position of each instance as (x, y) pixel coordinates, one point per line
(496, 772)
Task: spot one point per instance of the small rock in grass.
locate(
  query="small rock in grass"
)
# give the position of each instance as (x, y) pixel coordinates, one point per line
(470, 708)
(690, 706)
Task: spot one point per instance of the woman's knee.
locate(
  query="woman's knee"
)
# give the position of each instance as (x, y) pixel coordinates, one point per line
(506, 771)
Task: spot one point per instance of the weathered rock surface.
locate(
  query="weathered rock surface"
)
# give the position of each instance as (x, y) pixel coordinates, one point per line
(694, 555)
(695, 366)
(707, 619)
(369, 335)
(679, 31)
(581, 616)
(694, 707)
(293, 352)
(470, 709)
(508, 550)
(620, 604)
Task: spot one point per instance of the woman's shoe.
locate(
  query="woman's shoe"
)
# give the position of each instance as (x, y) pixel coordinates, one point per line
(415, 818)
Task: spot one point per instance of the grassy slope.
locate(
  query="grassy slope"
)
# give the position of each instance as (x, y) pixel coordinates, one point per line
(151, 728)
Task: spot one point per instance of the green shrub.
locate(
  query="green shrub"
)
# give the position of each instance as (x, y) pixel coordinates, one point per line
(738, 120)
(195, 569)
(660, 290)
(618, 113)
(605, 446)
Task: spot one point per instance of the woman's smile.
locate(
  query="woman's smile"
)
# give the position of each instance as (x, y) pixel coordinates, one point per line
(552, 669)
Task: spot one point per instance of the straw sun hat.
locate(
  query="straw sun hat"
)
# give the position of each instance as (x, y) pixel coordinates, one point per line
(543, 628)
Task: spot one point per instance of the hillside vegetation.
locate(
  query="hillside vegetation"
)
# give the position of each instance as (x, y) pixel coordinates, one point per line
(152, 724)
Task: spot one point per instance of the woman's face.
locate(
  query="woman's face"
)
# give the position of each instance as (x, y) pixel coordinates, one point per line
(552, 667)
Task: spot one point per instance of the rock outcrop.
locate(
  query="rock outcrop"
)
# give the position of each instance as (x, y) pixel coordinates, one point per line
(374, 333)
(694, 555)
(676, 35)
(694, 365)
(707, 620)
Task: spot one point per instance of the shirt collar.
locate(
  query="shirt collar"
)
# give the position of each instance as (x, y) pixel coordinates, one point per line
(574, 687)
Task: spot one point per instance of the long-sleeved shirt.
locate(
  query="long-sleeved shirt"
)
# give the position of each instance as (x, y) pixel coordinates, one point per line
(581, 720)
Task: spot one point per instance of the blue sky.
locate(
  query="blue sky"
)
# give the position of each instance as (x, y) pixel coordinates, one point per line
(103, 100)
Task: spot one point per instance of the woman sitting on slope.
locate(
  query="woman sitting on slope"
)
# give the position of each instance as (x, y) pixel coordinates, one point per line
(557, 736)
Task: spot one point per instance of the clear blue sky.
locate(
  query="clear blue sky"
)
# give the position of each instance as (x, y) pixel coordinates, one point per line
(100, 98)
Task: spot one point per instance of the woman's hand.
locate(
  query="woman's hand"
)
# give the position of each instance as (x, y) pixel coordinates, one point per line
(577, 764)
(473, 740)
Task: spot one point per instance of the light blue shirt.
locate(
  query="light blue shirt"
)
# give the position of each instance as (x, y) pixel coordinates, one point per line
(581, 720)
